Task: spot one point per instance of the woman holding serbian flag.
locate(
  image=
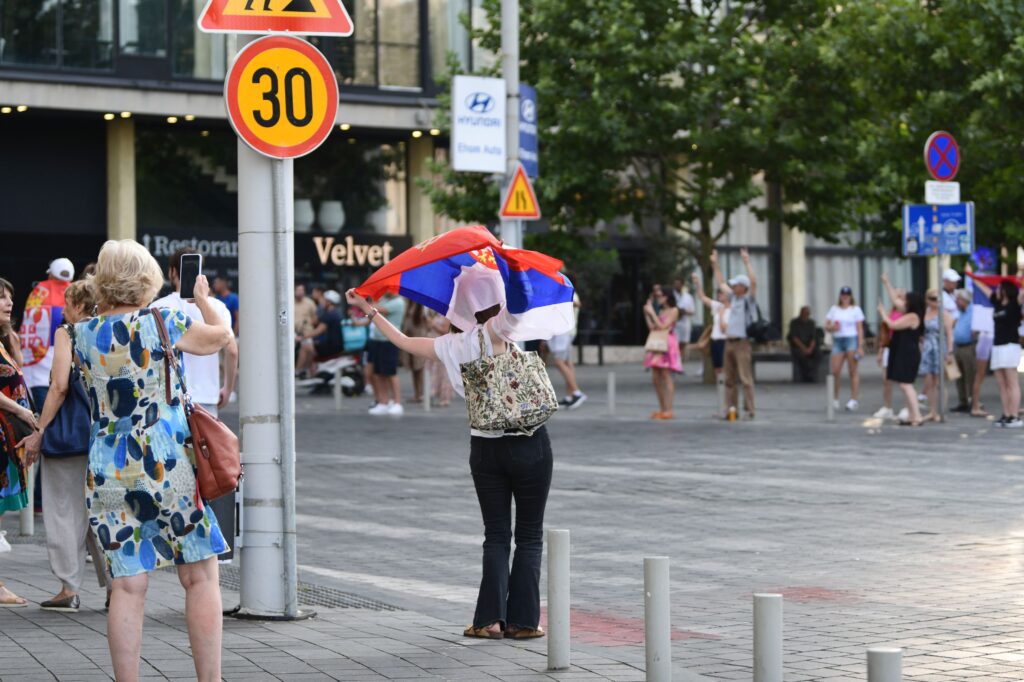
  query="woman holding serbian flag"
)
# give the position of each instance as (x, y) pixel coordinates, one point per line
(510, 295)
(1005, 296)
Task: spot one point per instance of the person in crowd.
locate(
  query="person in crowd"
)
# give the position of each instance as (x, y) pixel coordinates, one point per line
(905, 352)
(933, 356)
(683, 300)
(663, 365)
(14, 409)
(382, 358)
(43, 315)
(964, 350)
(317, 294)
(983, 327)
(719, 322)
(202, 372)
(845, 321)
(505, 467)
(222, 287)
(323, 340)
(305, 311)
(141, 490)
(415, 324)
(1006, 314)
(739, 355)
(441, 388)
(64, 515)
(950, 281)
(804, 345)
(897, 306)
(560, 347)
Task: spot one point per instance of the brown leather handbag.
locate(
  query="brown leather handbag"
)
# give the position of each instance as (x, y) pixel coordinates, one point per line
(218, 459)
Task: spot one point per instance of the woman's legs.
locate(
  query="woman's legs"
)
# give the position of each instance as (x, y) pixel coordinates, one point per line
(887, 393)
(837, 372)
(851, 362)
(417, 385)
(494, 493)
(669, 390)
(66, 520)
(124, 625)
(979, 377)
(1002, 391)
(931, 389)
(203, 614)
(659, 387)
(1012, 392)
(910, 396)
(530, 464)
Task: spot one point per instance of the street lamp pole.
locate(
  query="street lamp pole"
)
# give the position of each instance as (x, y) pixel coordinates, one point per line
(511, 230)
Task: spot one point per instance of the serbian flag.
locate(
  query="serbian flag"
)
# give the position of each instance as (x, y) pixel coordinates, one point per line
(44, 312)
(992, 282)
(462, 272)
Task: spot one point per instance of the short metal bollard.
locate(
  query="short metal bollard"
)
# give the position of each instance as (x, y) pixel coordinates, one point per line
(611, 392)
(720, 388)
(337, 390)
(767, 638)
(26, 517)
(830, 388)
(885, 665)
(657, 619)
(426, 387)
(558, 600)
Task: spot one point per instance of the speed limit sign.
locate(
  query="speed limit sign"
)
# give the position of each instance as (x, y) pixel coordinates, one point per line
(281, 96)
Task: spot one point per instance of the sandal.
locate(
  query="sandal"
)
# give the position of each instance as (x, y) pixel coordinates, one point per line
(9, 600)
(524, 633)
(656, 414)
(665, 416)
(482, 633)
(909, 423)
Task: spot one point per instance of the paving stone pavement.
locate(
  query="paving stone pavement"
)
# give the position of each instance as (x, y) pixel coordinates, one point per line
(875, 534)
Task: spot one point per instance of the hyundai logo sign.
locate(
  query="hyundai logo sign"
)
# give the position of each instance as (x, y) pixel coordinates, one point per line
(479, 102)
(528, 110)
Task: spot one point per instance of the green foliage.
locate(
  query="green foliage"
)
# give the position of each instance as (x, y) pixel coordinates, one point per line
(590, 269)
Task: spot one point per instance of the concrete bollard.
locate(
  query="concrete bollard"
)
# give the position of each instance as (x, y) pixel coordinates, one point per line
(26, 517)
(657, 619)
(611, 392)
(830, 387)
(426, 387)
(767, 638)
(720, 387)
(885, 665)
(337, 390)
(558, 600)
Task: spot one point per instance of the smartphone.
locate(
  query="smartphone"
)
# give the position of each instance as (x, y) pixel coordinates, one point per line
(189, 269)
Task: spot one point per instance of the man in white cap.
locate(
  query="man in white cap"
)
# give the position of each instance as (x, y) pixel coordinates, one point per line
(44, 312)
(739, 355)
(950, 281)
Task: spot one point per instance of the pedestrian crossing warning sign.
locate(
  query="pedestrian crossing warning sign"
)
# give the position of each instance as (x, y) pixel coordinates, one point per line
(308, 17)
(520, 201)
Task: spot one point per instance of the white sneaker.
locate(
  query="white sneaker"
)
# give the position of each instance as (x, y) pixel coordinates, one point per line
(922, 398)
(884, 413)
(395, 410)
(378, 409)
(904, 415)
(4, 545)
(852, 405)
(835, 404)
(1013, 423)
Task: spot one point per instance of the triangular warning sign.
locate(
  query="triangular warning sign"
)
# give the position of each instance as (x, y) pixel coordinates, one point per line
(308, 17)
(520, 202)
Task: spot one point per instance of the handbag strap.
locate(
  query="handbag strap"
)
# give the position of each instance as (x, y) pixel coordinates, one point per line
(165, 343)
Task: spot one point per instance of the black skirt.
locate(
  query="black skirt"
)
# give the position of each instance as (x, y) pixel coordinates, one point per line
(904, 356)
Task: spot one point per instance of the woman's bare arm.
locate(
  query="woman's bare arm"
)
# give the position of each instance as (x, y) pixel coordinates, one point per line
(908, 321)
(414, 345)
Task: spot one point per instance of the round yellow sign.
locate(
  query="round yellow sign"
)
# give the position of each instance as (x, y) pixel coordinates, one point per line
(282, 96)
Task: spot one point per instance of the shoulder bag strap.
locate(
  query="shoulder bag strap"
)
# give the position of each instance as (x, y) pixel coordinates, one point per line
(165, 343)
(483, 348)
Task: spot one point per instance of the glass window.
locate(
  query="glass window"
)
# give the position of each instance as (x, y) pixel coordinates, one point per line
(447, 34)
(28, 32)
(399, 24)
(88, 34)
(143, 25)
(354, 58)
(196, 54)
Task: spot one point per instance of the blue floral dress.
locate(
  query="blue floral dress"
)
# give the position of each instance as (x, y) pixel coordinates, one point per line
(141, 488)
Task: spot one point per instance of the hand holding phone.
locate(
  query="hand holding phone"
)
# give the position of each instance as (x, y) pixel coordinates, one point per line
(189, 270)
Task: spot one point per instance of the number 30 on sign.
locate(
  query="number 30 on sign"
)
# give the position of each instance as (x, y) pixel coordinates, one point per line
(281, 96)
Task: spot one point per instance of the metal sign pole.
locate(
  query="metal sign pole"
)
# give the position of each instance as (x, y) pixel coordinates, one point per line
(511, 230)
(942, 343)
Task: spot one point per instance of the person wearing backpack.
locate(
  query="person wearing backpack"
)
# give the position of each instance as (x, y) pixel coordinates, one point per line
(739, 357)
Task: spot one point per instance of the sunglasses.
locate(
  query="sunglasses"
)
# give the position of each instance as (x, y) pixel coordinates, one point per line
(933, 298)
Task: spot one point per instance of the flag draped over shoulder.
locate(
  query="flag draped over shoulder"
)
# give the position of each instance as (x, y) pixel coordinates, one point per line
(44, 312)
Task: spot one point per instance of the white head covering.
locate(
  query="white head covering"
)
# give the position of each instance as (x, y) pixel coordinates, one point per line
(477, 288)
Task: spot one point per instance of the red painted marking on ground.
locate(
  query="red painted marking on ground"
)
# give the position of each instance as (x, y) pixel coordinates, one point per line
(810, 593)
(605, 629)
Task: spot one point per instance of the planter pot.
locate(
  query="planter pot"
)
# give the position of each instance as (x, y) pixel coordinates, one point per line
(304, 215)
(331, 216)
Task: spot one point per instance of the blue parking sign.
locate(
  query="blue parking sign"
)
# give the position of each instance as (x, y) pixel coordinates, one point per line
(932, 230)
(528, 149)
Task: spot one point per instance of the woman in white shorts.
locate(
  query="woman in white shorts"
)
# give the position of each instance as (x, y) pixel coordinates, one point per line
(845, 321)
(1006, 313)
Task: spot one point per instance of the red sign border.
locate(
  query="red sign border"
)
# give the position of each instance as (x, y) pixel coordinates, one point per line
(503, 213)
(242, 60)
(928, 165)
(272, 24)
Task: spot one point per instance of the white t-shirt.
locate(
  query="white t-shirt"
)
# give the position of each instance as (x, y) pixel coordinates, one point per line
(949, 305)
(847, 318)
(982, 320)
(717, 310)
(202, 372)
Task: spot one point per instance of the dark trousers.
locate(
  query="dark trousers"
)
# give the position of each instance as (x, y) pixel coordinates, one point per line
(519, 468)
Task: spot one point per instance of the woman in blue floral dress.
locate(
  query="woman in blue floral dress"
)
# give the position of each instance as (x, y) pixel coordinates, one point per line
(141, 488)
